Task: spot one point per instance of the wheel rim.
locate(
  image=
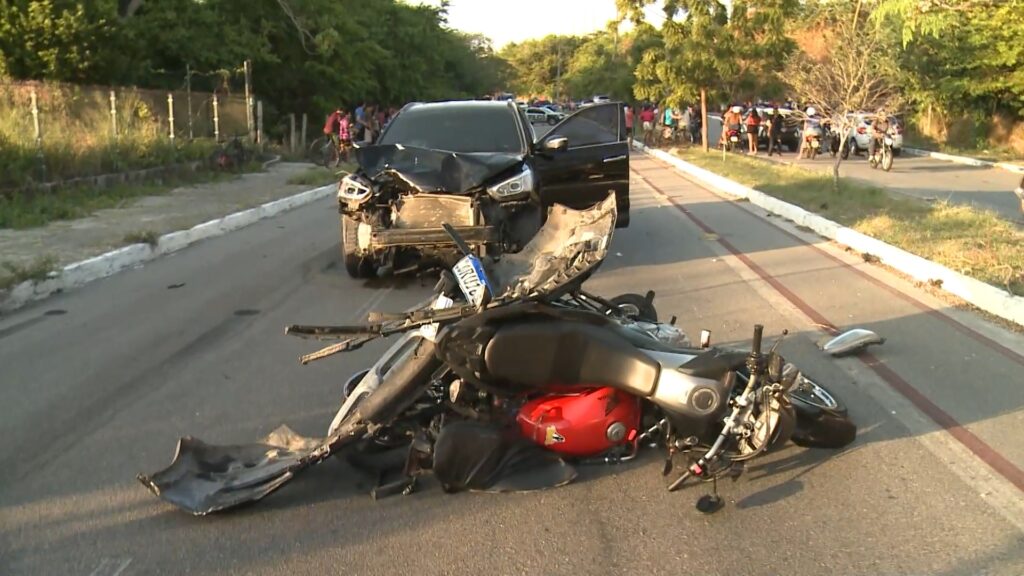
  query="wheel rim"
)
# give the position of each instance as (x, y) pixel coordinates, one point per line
(630, 310)
(809, 391)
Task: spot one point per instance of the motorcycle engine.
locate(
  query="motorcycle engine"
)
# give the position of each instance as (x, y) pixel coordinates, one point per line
(585, 423)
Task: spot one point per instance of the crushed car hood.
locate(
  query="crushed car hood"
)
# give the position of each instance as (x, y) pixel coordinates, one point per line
(427, 170)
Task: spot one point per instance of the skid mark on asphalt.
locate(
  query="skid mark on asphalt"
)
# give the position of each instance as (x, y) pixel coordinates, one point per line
(1008, 470)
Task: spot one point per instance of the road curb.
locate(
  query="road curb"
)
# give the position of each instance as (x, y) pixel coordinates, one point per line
(965, 160)
(982, 295)
(107, 264)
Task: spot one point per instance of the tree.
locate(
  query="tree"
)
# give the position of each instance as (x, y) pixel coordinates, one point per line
(539, 65)
(709, 49)
(852, 74)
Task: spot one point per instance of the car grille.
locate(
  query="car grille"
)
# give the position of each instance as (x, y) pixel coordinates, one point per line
(432, 210)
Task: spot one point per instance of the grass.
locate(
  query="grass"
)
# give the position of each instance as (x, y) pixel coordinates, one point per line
(141, 237)
(21, 210)
(318, 175)
(37, 270)
(974, 242)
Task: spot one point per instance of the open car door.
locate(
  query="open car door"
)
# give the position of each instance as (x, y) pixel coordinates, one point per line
(584, 158)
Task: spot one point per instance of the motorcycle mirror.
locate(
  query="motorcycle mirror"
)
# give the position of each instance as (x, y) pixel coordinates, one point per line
(705, 338)
(851, 342)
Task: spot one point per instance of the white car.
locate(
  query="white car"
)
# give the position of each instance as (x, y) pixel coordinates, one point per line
(540, 114)
(860, 138)
(601, 98)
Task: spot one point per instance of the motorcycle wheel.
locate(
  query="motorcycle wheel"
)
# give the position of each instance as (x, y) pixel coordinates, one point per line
(887, 160)
(635, 307)
(846, 152)
(873, 160)
(822, 420)
(356, 265)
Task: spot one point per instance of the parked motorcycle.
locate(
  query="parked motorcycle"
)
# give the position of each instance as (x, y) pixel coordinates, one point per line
(512, 375)
(812, 143)
(883, 155)
(732, 140)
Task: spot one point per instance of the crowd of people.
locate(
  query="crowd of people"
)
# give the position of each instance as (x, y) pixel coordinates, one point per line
(664, 124)
(361, 126)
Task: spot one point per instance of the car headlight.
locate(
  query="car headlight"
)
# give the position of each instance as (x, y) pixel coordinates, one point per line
(353, 189)
(515, 187)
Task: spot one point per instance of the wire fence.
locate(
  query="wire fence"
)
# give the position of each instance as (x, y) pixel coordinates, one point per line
(52, 131)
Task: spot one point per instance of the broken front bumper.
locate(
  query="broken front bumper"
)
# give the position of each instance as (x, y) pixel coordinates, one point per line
(419, 237)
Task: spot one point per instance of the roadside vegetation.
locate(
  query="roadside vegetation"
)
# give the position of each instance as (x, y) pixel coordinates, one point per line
(27, 209)
(12, 274)
(318, 175)
(974, 242)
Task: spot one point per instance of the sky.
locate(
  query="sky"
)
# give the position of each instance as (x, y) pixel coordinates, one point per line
(505, 21)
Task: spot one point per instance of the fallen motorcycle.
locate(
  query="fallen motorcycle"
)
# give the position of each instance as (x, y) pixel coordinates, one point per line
(512, 375)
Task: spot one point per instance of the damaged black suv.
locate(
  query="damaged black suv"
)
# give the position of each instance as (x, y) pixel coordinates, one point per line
(477, 166)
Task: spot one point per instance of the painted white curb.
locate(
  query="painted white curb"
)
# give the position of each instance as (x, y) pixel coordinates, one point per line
(114, 261)
(986, 297)
(965, 160)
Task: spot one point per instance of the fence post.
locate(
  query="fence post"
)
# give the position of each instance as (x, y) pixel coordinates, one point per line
(170, 116)
(216, 121)
(259, 123)
(188, 97)
(39, 134)
(303, 130)
(113, 115)
(291, 133)
(248, 98)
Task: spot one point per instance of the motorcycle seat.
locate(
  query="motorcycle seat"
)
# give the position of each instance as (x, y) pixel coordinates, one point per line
(541, 353)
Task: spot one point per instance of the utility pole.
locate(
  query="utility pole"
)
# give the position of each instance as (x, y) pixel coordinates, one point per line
(248, 99)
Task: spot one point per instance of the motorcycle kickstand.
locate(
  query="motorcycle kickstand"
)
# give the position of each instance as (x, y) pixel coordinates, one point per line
(710, 503)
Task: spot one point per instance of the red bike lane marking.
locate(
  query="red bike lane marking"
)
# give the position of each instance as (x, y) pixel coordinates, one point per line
(965, 437)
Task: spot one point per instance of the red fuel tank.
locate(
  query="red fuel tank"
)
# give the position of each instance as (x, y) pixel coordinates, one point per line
(584, 423)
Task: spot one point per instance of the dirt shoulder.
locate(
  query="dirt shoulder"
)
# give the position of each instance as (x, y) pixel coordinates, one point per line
(24, 252)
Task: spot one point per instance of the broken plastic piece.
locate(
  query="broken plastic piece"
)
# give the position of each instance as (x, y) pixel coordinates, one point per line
(851, 342)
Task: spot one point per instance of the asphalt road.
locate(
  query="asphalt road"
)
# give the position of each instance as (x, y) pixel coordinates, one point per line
(921, 177)
(97, 384)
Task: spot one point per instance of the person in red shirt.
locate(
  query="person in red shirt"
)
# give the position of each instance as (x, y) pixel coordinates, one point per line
(753, 125)
(335, 124)
(647, 123)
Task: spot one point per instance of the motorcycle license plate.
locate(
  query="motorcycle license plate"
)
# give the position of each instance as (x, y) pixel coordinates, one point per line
(734, 139)
(472, 279)
(888, 140)
(815, 144)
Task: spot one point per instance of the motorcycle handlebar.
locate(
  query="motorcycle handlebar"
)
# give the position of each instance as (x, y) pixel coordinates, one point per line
(758, 332)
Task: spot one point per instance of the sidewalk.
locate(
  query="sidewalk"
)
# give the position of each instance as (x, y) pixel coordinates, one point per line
(70, 241)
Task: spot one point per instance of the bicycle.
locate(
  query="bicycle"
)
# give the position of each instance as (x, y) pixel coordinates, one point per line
(324, 152)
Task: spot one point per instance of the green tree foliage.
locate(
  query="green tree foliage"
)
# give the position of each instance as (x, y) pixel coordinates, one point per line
(307, 55)
(728, 49)
(54, 39)
(539, 66)
(606, 61)
(963, 55)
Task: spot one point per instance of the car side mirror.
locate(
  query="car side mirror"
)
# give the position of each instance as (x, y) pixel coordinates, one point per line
(556, 144)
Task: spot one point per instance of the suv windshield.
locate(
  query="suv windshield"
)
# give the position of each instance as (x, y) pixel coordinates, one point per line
(456, 128)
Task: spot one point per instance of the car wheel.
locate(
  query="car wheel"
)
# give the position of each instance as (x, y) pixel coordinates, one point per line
(357, 265)
(897, 151)
(552, 120)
